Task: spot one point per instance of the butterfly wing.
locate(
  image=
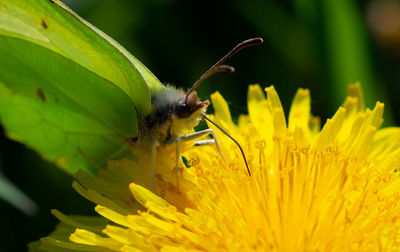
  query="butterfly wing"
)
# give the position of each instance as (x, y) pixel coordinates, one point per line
(152, 82)
(67, 90)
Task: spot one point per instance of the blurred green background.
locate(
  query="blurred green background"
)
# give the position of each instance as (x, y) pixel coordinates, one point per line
(320, 45)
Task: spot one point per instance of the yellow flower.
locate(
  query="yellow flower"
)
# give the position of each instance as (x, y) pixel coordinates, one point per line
(311, 189)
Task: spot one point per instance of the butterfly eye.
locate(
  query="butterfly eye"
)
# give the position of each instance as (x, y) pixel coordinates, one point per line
(183, 110)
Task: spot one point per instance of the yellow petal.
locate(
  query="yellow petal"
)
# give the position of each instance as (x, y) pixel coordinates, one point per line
(142, 195)
(354, 91)
(221, 107)
(259, 112)
(299, 115)
(279, 120)
(85, 237)
(386, 141)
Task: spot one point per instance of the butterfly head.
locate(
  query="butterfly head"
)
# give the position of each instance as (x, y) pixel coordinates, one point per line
(188, 112)
(191, 105)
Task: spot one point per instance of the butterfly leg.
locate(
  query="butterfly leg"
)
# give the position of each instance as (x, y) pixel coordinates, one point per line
(177, 157)
(153, 162)
(201, 134)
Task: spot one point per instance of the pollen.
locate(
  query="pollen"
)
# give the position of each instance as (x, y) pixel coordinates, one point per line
(335, 188)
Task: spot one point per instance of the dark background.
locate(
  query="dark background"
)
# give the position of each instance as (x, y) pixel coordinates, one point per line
(320, 45)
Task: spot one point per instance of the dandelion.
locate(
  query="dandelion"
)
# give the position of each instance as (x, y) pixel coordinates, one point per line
(310, 189)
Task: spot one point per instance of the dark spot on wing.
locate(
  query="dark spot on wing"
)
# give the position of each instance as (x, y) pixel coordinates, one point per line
(57, 100)
(40, 93)
(44, 24)
(52, 1)
(80, 150)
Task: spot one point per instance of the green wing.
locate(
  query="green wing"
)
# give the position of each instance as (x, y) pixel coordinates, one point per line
(67, 90)
(151, 81)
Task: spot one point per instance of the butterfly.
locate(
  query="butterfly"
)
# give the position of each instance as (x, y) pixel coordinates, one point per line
(78, 98)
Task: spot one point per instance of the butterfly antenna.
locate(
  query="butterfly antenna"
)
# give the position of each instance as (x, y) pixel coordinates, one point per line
(217, 67)
(233, 139)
